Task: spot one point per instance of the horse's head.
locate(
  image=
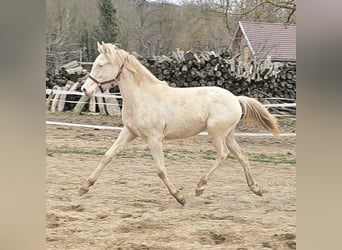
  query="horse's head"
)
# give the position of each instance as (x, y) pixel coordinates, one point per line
(105, 71)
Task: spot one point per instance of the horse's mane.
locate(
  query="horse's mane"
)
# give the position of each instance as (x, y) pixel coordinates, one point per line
(140, 72)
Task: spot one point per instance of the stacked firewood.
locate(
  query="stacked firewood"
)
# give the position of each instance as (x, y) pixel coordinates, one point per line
(70, 77)
(255, 79)
(69, 73)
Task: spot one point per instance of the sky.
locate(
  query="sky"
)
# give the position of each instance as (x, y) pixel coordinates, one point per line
(171, 1)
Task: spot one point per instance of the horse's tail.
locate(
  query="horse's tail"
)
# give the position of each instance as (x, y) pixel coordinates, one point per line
(255, 112)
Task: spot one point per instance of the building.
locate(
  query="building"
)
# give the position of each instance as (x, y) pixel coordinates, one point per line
(260, 41)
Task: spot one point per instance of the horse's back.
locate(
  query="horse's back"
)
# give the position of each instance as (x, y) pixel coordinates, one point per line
(191, 110)
(223, 106)
(211, 97)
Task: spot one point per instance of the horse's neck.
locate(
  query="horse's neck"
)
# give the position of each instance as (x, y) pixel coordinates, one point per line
(130, 91)
(134, 94)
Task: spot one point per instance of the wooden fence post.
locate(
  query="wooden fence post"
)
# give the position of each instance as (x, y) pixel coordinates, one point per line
(79, 106)
(112, 106)
(100, 103)
(92, 104)
(55, 101)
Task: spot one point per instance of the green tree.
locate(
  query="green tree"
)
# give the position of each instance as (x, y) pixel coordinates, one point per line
(107, 29)
(88, 44)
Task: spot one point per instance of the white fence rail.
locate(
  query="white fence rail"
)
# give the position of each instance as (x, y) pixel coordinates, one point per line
(117, 96)
(67, 92)
(120, 128)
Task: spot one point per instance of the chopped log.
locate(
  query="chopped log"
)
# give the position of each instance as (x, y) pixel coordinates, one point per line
(70, 65)
(55, 101)
(178, 55)
(113, 108)
(61, 101)
(79, 106)
(70, 85)
(77, 70)
(61, 82)
(101, 105)
(75, 86)
(188, 56)
(83, 78)
(48, 101)
(92, 104)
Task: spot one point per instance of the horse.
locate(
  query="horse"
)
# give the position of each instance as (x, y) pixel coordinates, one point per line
(154, 111)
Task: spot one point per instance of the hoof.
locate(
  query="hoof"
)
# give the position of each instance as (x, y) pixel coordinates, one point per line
(256, 189)
(199, 191)
(181, 200)
(83, 191)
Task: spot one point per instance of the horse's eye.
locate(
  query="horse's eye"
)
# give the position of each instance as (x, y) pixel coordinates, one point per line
(100, 65)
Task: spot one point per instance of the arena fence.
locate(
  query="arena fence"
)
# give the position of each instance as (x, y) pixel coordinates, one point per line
(117, 96)
(120, 128)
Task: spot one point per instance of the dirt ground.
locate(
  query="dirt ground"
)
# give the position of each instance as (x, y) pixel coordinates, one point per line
(130, 208)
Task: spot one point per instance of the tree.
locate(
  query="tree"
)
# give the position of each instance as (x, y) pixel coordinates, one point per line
(107, 29)
(87, 44)
(58, 35)
(232, 11)
(151, 27)
(289, 5)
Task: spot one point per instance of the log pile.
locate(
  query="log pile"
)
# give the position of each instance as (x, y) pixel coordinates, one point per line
(70, 77)
(257, 79)
(69, 73)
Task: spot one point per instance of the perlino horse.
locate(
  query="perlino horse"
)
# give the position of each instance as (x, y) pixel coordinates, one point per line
(154, 111)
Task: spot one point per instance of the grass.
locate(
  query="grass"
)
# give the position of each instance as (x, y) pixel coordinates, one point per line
(172, 155)
(135, 153)
(75, 150)
(275, 159)
(287, 121)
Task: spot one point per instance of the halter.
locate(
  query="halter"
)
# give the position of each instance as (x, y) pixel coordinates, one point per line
(114, 80)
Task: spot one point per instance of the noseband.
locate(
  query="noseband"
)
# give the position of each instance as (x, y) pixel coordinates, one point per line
(114, 80)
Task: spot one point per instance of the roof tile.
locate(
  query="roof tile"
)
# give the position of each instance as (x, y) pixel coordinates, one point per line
(275, 39)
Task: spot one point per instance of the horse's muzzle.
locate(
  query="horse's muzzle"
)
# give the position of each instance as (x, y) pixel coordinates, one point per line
(87, 92)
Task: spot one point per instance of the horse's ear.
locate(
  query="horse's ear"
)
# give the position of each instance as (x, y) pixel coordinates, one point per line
(105, 48)
(100, 48)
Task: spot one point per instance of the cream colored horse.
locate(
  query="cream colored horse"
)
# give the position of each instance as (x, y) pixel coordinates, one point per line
(154, 111)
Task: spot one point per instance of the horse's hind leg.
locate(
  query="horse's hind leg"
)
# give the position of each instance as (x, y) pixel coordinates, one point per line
(237, 152)
(222, 154)
(156, 147)
(125, 136)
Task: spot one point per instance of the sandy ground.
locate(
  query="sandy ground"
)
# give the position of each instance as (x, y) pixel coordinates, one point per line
(130, 208)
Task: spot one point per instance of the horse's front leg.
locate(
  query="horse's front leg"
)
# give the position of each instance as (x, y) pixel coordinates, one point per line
(156, 148)
(125, 136)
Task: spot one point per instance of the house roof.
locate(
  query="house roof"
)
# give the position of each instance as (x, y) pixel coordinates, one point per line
(277, 40)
